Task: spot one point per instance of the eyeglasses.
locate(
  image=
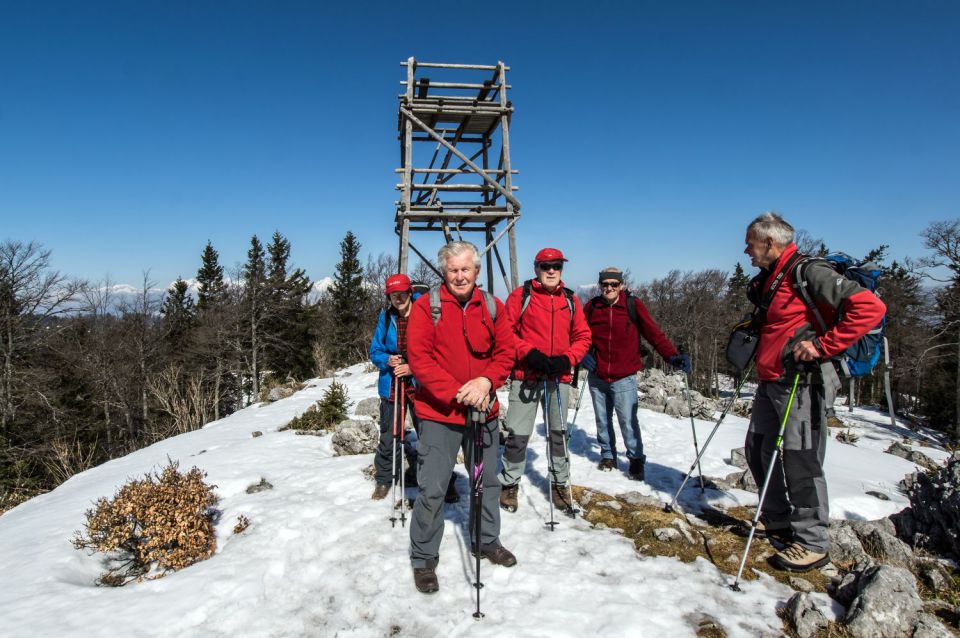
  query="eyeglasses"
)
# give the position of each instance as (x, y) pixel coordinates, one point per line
(551, 265)
(399, 295)
(609, 284)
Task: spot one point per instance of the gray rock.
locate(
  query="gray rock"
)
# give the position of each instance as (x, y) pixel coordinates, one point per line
(614, 505)
(256, 433)
(879, 495)
(369, 407)
(667, 534)
(845, 545)
(800, 584)
(804, 616)
(899, 449)
(933, 519)
(887, 548)
(665, 393)
(887, 604)
(935, 577)
(738, 458)
(355, 437)
(279, 392)
(928, 626)
(864, 528)
(259, 487)
(637, 499)
(846, 589)
(746, 482)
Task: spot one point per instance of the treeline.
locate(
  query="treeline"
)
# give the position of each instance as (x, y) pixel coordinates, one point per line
(85, 377)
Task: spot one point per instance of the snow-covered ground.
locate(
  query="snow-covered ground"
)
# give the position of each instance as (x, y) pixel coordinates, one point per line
(321, 559)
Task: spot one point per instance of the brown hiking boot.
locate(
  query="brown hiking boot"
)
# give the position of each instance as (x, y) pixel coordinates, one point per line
(797, 558)
(508, 497)
(636, 469)
(607, 465)
(561, 498)
(498, 555)
(425, 578)
(380, 491)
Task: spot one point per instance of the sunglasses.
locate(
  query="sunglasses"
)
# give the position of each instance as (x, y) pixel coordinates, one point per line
(551, 265)
(609, 284)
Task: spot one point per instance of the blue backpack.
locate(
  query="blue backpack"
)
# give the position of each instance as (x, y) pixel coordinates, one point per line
(860, 358)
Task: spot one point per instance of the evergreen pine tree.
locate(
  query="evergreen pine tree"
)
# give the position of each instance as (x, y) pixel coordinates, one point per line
(211, 288)
(179, 316)
(254, 303)
(289, 323)
(345, 339)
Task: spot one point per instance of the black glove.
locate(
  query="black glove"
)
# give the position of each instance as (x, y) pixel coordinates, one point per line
(589, 362)
(559, 366)
(537, 362)
(681, 362)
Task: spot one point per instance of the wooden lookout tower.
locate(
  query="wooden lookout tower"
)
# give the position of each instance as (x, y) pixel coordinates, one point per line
(456, 178)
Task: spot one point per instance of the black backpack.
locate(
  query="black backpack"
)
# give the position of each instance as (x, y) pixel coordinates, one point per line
(525, 301)
(631, 311)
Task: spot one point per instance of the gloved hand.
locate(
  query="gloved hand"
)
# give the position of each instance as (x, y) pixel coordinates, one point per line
(537, 362)
(681, 362)
(559, 366)
(589, 362)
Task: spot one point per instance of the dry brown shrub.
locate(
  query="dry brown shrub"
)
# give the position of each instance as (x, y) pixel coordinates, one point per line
(152, 526)
(242, 524)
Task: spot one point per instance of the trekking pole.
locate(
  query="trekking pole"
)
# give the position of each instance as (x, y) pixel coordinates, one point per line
(576, 408)
(777, 450)
(476, 493)
(552, 524)
(566, 451)
(736, 395)
(393, 453)
(402, 427)
(693, 428)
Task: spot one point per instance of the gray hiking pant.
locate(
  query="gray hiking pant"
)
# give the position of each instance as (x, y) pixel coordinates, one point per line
(525, 398)
(798, 487)
(436, 456)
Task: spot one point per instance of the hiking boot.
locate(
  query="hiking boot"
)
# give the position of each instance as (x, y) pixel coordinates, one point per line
(636, 469)
(607, 465)
(498, 555)
(508, 497)
(834, 422)
(380, 491)
(561, 498)
(767, 528)
(797, 558)
(425, 578)
(452, 496)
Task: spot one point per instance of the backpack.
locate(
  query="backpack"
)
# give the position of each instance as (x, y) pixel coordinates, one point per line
(525, 301)
(631, 312)
(862, 356)
(490, 300)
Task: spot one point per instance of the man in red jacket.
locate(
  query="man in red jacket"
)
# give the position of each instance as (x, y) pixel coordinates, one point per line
(551, 335)
(614, 362)
(460, 353)
(796, 501)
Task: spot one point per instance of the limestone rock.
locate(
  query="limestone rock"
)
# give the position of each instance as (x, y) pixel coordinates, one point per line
(899, 449)
(845, 545)
(355, 437)
(279, 392)
(738, 458)
(369, 407)
(264, 484)
(933, 519)
(667, 534)
(804, 616)
(887, 604)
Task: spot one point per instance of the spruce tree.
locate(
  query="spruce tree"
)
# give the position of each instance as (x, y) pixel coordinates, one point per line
(211, 288)
(345, 339)
(254, 303)
(289, 324)
(179, 316)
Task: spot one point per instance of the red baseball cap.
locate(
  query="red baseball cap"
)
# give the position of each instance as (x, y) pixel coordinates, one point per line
(549, 254)
(398, 283)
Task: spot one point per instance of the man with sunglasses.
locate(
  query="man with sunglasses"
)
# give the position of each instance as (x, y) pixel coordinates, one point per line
(613, 363)
(551, 336)
(460, 352)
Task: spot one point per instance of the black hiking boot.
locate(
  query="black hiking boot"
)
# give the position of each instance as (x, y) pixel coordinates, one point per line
(425, 578)
(508, 497)
(498, 555)
(636, 469)
(452, 495)
(607, 465)
(410, 476)
(380, 491)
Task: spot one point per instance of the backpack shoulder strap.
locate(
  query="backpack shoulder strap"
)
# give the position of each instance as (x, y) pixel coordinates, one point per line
(799, 269)
(525, 298)
(632, 310)
(491, 302)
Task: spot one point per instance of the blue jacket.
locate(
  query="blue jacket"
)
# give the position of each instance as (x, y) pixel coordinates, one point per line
(382, 346)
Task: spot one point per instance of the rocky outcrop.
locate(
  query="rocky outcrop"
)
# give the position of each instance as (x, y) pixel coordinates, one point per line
(665, 393)
(369, 407)
(919, 458)
(355, 436)
(933, 519)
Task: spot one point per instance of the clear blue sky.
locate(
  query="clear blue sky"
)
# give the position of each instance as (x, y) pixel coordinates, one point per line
(647, 133)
